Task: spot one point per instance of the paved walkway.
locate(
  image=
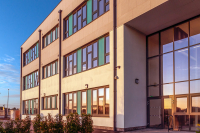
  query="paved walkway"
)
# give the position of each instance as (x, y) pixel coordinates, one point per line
(143, 131)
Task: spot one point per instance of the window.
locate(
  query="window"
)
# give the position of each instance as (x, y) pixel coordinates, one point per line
(51, 36)
(31, 54)
(30, 107)
(78, 19)
(100, 101)
(50, 102)
(196, 104)
(50, 69)
(107, 49)
(84, 102)
(99, 7)
(30, 80)
(71, 64)
(181, 104)
(70, 103)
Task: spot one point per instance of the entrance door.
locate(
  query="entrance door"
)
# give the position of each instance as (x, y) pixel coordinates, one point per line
(155, 110)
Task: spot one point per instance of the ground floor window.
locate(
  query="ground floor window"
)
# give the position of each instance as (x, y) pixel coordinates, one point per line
(70, 102)
(49, 102)
(30, 107)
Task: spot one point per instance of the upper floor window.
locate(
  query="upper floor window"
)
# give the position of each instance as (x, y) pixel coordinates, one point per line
(90, 56)
(49, 102)
(83, 15)
(31, 54)
(30, 80)
(51, 36)
(30, 107)
(50, 69)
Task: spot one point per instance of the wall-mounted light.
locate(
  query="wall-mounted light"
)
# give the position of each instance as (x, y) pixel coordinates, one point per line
(86, 86)
(44, 94)
(137, 81)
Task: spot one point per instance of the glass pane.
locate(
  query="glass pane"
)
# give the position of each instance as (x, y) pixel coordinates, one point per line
(70, 68)
(153, 91)
(181, 36)
(70, 96)
(84, 23)
(195, 86)
(74, 110)
(167, 62)
(168, 106)
(106, 110)
(101, 7)
(181, 88)
(74, 99)
(74, 20)
(94, 5)
(182, 122)
(101, 92)
(196, 104)
(54, 68)
(49, 102)
(100, 107)
(74, 59)
(89, 61)
(84, 54)
(84, 67)
(66, 101)
(95, 63)
(95, 50)
(83, 98)
(53, 102)
(167, 40)
(94, 110)
(153, 67)
(79, 12)
(107, 96)
(89, 48)
(181, 104)
(107, 7)
(194, 31)
(94, 97)
(49, 39)
(70, 57)
(107, 44)
(94, 16)
(83, 111)
(107, 58)
(75, 70)
(195, 62)
(167, 89)
(70, 106)
(49, 71)
(84, 12)
(54, 35)
(181, 65)
(79, 23)
(194, 120)
(153, 45)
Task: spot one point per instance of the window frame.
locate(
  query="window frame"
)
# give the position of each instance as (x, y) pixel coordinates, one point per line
(106, 54)
(191, 96)
(74, 107)
(25, 110)
(35, 83)
(45, 69)
(97, 11)
(45, 102)
(67, 62)
(82, 102)
(104, 102)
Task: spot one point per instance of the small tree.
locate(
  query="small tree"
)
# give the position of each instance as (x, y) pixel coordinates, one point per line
(86, 123)
(73, 123)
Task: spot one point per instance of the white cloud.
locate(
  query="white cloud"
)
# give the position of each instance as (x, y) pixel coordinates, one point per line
(7, 58)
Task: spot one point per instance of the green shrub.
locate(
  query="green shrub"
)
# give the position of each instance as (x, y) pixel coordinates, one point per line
(44, 125)
(58, 124)
(86, 123)
(9, 127)
(37, 124)
(73, 123)
(26, 124)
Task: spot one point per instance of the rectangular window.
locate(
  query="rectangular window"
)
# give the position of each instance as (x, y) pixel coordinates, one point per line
(107, 49)
(100, 101)
(51, 36)
(196, 104)
(31, 80)
(99, 7)
(74, 22)
(50, 69)
(84, 18)
(50, 102)
(84, 102)
(71, 64)
(32, 108)
(70, 103)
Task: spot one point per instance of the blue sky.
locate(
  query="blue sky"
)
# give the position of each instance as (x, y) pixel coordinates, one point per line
(18, 20)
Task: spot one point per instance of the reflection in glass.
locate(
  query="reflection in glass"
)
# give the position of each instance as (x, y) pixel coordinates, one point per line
(194, 120)
(181, 104)
(194, 31)
(107, 96)
(153, 45)
(53, 102)
(101, 7)
(181, 36)
(95, 50)
(107, 58)
(195, 62)
(101, 92)
(100, 107)
(74, 98)
(196, 104)
(49, 103)
(167, 67)
(153, 91)
(94, 110)
(107, 44)
(181, 88)
(195, 86)
(182, 122)
(94, 97)
(83, 111)
(84, 54)
(167, 40)
(95, 63)
(107, 110)
(84, 67)
(70, 96)
(167, 89)
(153, 66)
(167, 112)
(89, 60)
(84, 98)
(181, 65)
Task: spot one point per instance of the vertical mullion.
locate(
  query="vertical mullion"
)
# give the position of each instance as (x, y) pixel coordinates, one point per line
(189, 74)
(160, 94)
(104, 101)
(173, 108)
(97, 101)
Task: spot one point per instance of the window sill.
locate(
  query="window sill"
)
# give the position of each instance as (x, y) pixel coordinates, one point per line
(50, 43)
(31, 61)
(30, 88)
(50, 76)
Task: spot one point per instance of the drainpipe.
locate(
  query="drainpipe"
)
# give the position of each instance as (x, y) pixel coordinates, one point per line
(60, 11)
(21, 65)
(39, 51)
(115, 60)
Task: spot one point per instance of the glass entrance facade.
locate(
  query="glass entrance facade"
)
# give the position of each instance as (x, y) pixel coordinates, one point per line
(173, 71)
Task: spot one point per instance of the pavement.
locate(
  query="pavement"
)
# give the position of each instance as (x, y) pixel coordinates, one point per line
(148, 130)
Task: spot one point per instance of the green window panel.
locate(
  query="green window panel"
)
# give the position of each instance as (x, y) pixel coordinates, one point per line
(32, 106)
(89, 11)
(33, 79)
(51, 37)
(29, 102)
(101, 51)
(79, 102)
(56, 32)
(46, 71)
(37, 49)
(55, 101)
(51, 70)
(79, 55)
(26, 83)
(70, 24)
(88, 101)
(56, 65)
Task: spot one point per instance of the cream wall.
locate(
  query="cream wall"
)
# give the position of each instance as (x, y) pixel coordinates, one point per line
(30, 93)
(134, 67)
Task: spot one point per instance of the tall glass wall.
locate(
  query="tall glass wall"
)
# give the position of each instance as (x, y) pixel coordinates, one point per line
(173, 58)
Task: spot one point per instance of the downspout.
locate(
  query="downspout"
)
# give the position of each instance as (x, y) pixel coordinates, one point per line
(39, 51)
(60, 11)
(21, 65)
(115, 60)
